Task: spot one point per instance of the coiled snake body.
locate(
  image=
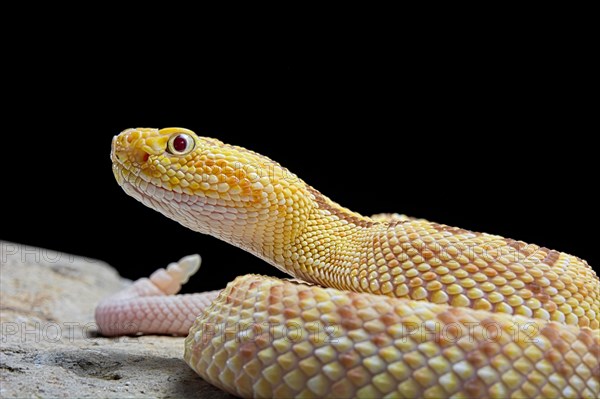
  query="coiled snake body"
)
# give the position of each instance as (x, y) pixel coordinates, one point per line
(392, 306)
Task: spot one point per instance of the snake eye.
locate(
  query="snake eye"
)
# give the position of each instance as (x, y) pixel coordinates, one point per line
(180, 144)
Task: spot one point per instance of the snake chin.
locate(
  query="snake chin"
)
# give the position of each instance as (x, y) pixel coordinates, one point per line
(197, 213)
(158, 198)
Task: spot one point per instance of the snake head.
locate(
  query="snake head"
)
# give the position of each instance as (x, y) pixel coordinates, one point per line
(203, 183)
(165, 158)
(177, 160)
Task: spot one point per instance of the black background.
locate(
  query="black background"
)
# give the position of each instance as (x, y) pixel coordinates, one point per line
(488, 135)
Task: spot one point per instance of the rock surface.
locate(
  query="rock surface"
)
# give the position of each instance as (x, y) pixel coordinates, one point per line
(48, 340)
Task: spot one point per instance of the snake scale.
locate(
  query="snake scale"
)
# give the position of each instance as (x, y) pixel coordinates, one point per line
(383, 306)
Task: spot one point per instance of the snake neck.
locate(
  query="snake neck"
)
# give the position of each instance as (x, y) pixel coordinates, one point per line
(330, 244)
(317, 241)
(308, 236)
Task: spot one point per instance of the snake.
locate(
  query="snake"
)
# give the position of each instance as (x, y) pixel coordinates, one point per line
(384, 306)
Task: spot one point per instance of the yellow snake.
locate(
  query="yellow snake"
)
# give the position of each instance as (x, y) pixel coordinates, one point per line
(392, 306)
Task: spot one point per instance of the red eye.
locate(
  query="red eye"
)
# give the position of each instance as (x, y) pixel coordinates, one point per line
(180, 144)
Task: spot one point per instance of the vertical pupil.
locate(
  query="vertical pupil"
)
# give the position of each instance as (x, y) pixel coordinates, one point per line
(180, 143)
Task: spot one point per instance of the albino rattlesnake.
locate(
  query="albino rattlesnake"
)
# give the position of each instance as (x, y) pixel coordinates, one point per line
(504, 318)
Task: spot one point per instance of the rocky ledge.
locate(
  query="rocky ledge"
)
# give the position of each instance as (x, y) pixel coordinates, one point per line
(49, 344)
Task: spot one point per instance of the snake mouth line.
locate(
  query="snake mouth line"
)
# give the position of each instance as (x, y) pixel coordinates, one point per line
(144, 190)
(159, 197)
